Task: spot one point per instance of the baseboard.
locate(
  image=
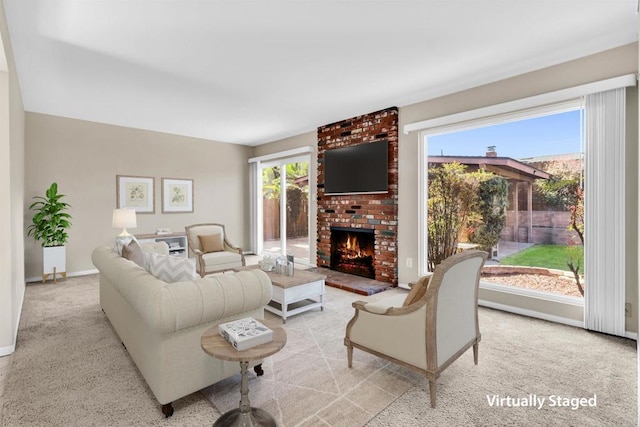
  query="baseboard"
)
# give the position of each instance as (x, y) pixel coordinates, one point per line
(7, 350)
(74, 274)
(544, 316)
(531, 313)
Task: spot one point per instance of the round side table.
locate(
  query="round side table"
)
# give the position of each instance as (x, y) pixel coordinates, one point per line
(215, 345)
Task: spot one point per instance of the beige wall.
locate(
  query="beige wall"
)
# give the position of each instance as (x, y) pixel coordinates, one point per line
(613, 63)
(84, 159)
(12, 284)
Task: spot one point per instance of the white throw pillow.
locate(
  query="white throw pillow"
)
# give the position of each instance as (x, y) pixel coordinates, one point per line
(171, 268)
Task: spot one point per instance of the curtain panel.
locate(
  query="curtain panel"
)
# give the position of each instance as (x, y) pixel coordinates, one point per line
(604, 212)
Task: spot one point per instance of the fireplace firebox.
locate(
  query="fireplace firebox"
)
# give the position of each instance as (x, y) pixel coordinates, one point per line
(352, 251)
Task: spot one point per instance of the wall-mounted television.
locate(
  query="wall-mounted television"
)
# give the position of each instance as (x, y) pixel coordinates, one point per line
(358, 169)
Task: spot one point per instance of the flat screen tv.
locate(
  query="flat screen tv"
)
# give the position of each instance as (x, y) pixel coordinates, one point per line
(362, 168)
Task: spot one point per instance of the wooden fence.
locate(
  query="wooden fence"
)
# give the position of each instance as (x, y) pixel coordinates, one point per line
(296, 227)
(548, 227)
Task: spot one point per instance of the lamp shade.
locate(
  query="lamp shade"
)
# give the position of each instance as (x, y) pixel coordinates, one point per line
(124, 218)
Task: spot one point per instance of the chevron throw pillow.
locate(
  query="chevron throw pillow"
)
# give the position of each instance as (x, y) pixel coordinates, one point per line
(172, 268)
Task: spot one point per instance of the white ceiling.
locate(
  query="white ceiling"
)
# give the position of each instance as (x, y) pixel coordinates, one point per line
(253, 71)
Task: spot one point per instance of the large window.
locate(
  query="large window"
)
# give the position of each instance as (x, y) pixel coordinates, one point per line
(513, 187)
(605, 199)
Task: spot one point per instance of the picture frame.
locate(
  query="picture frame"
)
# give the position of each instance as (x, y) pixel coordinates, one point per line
(135, 192)
(177, 195)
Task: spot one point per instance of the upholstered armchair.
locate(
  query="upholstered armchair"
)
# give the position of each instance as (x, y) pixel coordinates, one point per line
(213, 252)
(430, 328)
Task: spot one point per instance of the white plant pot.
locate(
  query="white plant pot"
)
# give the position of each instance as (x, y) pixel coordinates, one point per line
(54, 257)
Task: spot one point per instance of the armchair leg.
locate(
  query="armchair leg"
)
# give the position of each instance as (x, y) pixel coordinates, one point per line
(475, 353)
(258, 370)
(350, 355)
(432, 393)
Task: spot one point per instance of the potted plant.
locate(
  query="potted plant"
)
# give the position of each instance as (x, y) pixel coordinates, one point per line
(50, 225)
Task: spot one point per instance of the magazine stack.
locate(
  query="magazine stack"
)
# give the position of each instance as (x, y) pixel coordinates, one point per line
(245, 333)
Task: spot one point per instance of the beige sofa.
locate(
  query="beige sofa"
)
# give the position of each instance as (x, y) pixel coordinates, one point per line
(160, 323)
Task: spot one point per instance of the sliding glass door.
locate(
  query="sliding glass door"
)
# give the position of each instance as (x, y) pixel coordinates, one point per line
(284, 201)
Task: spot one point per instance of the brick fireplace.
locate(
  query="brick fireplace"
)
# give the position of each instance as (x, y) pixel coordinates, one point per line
(353, 251)
(375, 214)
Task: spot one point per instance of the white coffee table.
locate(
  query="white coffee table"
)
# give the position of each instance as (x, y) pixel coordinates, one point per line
(304, 287)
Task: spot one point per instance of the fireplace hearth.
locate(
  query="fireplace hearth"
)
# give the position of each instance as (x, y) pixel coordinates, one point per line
(352, 251)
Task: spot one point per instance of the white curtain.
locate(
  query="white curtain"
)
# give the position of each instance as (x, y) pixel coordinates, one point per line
(604, 212)
(254, 183)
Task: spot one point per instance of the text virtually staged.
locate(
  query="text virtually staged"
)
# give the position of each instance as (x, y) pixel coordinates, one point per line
(539, 402)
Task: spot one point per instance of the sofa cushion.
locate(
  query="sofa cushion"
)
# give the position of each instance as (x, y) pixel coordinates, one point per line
(121, 242)
(171, 269)
(211, 242)
(417, 291)
(222, 257)
(134, 253)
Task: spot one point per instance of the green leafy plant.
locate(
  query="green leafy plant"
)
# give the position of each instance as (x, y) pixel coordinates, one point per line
(50, 221)
(461, 203)
(492, 207)
(451, 200)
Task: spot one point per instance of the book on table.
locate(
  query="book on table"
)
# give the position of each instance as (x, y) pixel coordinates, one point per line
(245, 333)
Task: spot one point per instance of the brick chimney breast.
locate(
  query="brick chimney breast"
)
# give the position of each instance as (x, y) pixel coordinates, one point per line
(491, 151)
(375, 212)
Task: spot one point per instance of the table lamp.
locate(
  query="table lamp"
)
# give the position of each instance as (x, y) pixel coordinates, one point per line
(124, 218)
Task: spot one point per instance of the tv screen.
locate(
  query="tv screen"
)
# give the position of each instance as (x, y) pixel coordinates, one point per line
(361, 168)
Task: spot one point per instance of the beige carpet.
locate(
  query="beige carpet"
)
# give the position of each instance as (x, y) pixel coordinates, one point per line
(69, 369)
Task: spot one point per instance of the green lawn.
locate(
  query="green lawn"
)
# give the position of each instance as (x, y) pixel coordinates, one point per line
(548, 256)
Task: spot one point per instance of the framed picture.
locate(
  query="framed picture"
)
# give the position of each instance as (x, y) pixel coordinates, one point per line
(177, 195)
(135, 192)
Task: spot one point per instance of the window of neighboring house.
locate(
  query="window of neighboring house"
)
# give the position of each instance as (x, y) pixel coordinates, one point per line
(529, 168)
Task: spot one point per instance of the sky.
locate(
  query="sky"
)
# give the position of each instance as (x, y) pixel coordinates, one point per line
(540, 136)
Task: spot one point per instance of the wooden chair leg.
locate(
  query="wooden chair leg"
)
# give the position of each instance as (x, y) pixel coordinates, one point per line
(432, 393)
(350, 356)
(475, 353)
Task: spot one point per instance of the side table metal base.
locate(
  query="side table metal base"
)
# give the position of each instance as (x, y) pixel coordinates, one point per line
(256, 417)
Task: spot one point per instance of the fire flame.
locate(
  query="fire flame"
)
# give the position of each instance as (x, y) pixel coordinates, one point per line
(353, 247)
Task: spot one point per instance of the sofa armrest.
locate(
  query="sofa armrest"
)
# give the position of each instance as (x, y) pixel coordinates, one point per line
(228, 246)
(391, 306)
